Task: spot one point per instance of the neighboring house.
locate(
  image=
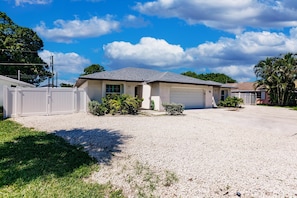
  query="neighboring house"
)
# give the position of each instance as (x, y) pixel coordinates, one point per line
(151, 85)
(10, 82)
(249, 94)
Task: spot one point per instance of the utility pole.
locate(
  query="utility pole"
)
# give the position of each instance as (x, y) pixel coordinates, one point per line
(56, 79)
(52, 65)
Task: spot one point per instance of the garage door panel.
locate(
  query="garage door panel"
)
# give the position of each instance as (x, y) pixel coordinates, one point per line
(191, 98)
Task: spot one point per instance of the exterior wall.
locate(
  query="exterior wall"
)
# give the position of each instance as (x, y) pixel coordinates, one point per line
(8, 84)
(250, 97)
(265, 99)
(94, 89)
(217, 94)
(227, 92)
(161, 93)
(155, 95)
(146, 95)
(208, 97)
(127, 87)
(97, 89)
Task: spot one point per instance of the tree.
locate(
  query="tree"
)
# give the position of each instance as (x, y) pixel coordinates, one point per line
(277, 75)
(93, 69)
(19, 48)
(217, 77)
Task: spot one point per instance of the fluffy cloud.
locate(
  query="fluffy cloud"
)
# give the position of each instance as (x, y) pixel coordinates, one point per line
(247, 48)
(241, 73)
(21, 2)
(228, 15)
(233, 56)
(66, 31)
(65, 63)
(149, 51)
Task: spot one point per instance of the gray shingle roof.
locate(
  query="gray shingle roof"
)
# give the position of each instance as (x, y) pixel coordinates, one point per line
(146, 75)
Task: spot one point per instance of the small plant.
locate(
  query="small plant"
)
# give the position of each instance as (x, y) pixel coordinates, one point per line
(116, 104)
(96, 108)
(174, 109)
(152, 105)
(231, 102)
(170, 178)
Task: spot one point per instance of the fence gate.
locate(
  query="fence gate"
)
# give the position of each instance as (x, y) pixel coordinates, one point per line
(42, 101)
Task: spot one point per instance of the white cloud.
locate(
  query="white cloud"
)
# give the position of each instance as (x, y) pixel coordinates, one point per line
(248, 47)
(65, 63)
(149, 51)
(228, 15)
(21, 2)
(134, 21)
(242, 73)
(233, 56)
(66, 31)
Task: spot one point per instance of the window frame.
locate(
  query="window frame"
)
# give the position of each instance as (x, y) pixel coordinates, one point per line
(113, 89)
(223, 95)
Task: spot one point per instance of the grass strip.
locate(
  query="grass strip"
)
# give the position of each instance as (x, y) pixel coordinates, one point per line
(36, 164)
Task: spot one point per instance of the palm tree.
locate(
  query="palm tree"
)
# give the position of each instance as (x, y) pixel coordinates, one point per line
(277, 75)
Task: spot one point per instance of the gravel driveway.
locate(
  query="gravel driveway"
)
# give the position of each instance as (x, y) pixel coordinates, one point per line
(205, 153)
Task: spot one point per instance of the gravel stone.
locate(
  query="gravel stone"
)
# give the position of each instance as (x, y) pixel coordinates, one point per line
(209, 152)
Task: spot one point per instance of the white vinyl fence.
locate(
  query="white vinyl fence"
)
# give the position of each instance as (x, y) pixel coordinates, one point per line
(248, 98)
(43, 101)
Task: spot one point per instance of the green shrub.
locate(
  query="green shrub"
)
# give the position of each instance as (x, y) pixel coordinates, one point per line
(131, 105)
(174, 109)
(231, 102)
(152, 105)
(116, 104)
(96, 108)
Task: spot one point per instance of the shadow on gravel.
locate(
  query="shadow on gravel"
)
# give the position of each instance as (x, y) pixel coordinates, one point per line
(102, 144)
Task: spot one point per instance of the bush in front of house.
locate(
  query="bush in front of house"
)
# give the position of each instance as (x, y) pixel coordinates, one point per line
(96, 108)
(231, 102)
(116, 104)
(174, 109)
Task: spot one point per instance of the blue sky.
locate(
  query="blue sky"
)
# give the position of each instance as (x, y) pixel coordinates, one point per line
(227, 36)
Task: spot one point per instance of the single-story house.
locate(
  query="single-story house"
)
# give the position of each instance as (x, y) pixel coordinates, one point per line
(10, 82)
(249, 94)
(156, 86)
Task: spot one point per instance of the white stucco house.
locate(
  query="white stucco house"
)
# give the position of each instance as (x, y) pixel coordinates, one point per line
(161, 87)
(10, 82)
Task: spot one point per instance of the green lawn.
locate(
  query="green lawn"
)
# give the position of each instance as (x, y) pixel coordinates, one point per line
(36, 164)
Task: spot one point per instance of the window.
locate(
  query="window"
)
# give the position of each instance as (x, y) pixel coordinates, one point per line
(222, 94)
(261, 95)
(258, 94)
(113, 89)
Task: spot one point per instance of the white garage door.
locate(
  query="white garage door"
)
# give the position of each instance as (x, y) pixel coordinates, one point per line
(191, 98)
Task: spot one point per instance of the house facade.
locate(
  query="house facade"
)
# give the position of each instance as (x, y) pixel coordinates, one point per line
(249, 94)
(10, 82)
(151, 85)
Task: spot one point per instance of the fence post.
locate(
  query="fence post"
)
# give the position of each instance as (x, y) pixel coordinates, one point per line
(16, 106)
(86, 100)
(48, 102)
(5, 99)
(75, 100)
